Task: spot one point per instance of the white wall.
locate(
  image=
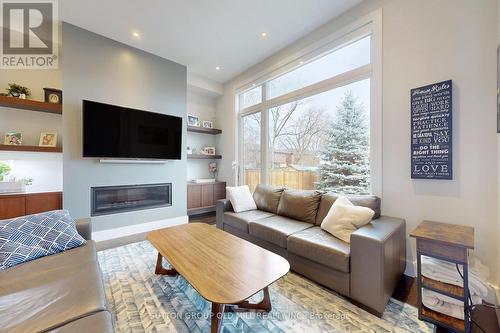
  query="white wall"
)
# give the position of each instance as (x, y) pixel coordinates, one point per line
(498, 162)
(423, 42)
(100, 69)
(202, 105)
(30, 124)
(44, 168)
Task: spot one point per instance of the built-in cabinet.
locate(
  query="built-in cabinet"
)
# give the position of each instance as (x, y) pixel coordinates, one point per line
(203, 130)
(201, 198)
(19, 204)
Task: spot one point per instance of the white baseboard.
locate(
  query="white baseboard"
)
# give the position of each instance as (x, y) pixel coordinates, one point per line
(411, 268)
(105, 235)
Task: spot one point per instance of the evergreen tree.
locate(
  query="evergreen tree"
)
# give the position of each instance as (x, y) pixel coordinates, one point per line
(345, 164)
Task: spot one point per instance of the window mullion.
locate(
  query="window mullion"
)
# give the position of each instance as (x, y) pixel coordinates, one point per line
(360, 73)
(264, 138)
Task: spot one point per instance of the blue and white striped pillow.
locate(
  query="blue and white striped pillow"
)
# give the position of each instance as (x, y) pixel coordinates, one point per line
(33, 236)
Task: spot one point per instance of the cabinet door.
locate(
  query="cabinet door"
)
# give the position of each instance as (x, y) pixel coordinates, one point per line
(193, 196)
(12, 207)
(207, 195)
(219, 191)
(43, 202)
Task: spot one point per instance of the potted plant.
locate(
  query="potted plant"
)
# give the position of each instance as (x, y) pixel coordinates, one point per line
(16, 90)
(4, 171)
(11, 184)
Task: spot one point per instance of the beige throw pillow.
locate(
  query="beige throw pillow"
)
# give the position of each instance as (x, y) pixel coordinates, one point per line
(241, 198)
(344, 218)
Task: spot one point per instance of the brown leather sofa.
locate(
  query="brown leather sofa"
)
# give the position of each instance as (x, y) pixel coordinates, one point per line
(287, 222)
(60, 293)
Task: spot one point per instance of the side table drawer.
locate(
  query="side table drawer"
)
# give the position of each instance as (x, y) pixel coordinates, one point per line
(442, 250)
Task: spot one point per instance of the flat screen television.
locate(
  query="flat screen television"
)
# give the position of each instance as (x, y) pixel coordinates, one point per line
(111, 131)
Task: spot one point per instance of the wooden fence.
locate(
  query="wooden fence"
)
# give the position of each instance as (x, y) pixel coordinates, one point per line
(300, 180)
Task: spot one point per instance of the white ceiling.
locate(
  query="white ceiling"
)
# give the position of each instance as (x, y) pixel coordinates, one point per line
(203, 34)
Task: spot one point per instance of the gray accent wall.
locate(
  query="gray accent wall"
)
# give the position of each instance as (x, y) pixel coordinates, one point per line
(100, 69)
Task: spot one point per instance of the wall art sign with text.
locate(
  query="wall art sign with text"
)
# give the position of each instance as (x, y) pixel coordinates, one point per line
(431, 131)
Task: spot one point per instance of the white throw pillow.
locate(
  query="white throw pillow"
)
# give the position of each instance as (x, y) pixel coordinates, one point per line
(344, 218)
(241, 198)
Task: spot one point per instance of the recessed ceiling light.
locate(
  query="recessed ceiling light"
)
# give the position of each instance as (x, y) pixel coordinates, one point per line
(217, 68)
(136, 34)
(301, 62)
(263, 34)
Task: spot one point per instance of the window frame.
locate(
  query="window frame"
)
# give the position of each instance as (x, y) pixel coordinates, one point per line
(371, 25)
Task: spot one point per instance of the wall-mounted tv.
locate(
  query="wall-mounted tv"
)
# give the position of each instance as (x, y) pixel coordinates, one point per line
(111, 131)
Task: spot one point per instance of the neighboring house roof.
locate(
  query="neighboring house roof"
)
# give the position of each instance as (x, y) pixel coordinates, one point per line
(304, 167)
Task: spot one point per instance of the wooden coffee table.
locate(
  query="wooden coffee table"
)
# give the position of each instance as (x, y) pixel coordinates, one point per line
(224, 269)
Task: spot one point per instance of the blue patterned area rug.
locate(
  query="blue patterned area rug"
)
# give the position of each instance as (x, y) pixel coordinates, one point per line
(144, 302)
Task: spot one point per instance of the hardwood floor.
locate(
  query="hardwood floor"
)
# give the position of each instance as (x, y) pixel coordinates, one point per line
(208, 218)
(406, 291)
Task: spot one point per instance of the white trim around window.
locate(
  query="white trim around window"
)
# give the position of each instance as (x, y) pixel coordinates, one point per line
(368, 25)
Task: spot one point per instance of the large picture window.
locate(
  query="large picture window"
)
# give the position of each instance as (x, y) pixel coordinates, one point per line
(310, 127)
(251, 150)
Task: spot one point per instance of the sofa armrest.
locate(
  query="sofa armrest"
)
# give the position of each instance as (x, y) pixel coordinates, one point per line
(84, 228)
(223, 205)
(378, 259)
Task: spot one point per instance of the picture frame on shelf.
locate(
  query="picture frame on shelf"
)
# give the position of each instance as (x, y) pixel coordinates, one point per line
(13, 139)
(52, 95)
(193, 120)
(207, 124)
(48, 139)
(209, 150)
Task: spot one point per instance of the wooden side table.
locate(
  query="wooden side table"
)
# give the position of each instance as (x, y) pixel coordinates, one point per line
(451, 243)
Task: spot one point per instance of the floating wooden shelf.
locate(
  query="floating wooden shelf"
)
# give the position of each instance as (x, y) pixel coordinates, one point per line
(204, 130)
(30, 105)
(443, 288)
(31, 148)
(439, 318)
(203, 157)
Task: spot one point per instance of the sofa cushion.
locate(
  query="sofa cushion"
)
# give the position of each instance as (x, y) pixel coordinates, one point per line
(300, 205)
(241, 198)
(33, 236)
(318, 245)
(241, 220)
(100, 322)
(267, 198)
(344, 218)
(327, 200)
(276, 229)
(43, 293)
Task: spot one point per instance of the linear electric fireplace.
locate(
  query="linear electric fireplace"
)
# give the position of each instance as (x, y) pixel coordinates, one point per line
(119, 199)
